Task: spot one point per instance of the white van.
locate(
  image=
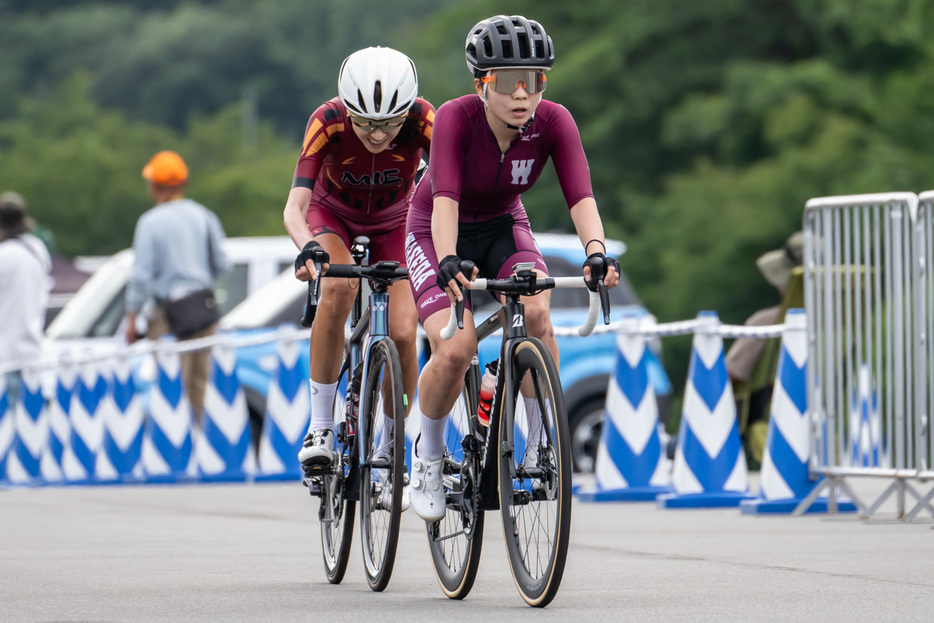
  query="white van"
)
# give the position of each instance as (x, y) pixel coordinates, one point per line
(98, 309)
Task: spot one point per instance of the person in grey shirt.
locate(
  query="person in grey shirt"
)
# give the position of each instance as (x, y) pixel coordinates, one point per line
(178, 251)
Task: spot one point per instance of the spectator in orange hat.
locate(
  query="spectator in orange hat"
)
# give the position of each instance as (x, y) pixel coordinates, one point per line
(178, 254)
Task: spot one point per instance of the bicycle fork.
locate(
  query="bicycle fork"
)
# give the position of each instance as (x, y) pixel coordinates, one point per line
(379, 330)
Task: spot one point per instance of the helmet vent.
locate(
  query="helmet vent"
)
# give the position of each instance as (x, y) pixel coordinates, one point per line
(378, 96)
(361, 101)
(507, 50)
(539, 49)
(392, 102)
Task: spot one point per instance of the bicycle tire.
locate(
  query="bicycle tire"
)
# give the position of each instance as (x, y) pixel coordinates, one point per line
(381, 514)
(454, 543)
(337, 534)
(535, 478)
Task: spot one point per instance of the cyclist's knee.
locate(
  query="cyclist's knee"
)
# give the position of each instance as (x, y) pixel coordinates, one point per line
(404, 334)
(452, 357)
(336, 298)
(538, 321)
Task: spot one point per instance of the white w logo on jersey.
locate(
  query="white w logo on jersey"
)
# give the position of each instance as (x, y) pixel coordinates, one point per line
(521, 170)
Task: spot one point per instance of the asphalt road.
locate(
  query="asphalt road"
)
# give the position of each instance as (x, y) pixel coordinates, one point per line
(252, 553)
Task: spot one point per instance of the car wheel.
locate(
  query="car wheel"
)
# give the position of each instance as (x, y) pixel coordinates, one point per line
(586, 428)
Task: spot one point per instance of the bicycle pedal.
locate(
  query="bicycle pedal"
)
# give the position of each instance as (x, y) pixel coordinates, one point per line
(316, 469)
(313, 485)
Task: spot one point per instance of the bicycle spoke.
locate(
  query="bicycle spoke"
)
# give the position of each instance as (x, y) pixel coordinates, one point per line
(535, 475)
(337, 512)
(455, 541)
(382, 474)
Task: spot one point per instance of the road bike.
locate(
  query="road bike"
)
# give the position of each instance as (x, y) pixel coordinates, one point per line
(369, 467)
(521, 463)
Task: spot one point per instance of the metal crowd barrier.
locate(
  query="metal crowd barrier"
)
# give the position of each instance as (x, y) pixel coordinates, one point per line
(869, 311)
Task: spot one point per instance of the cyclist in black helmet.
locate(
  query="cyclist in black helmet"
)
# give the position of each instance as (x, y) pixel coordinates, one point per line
(487, 149)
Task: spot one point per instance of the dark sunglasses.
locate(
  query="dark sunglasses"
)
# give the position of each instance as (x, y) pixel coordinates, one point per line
(506, 81)
(370, 125)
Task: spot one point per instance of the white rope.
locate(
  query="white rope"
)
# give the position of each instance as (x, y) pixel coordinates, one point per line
(80, 354)
(645, 326)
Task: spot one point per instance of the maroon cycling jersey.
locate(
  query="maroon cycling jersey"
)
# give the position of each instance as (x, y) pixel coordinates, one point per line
(349, 180)
(468, 166)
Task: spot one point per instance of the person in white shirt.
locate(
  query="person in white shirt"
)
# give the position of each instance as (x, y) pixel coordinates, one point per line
(25, 266)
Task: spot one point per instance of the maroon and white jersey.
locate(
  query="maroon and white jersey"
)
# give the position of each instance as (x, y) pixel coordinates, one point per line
(468, 166)
(349, 180)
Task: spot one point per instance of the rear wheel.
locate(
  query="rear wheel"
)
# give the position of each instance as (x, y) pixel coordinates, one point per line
(382, 473)
(336, 514)
(455, 540)
(535, 474)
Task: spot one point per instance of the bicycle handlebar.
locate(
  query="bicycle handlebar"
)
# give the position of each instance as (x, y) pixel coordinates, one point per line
(595, 303)
(384, 272)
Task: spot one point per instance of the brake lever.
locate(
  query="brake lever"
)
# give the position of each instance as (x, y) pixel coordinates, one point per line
(459, 308)
(311, 304)
(604, 301)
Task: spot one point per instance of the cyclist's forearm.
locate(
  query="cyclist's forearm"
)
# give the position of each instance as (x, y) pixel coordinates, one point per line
(444, 227)
(588, 225)
(295, 214)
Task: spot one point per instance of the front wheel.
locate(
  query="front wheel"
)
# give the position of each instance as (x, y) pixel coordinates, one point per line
(456, 539)
(336, 514)
(535, 474)
(383, 472)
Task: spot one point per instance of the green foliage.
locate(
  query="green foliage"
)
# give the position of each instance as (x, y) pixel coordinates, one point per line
(79, 167)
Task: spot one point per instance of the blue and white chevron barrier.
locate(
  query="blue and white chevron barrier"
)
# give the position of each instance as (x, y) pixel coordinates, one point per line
(784, 480)
(287, 416)
(59, 408)
(86, 420)
(120, 458)
(168, 444)
(631, 463)
(6, 428)
(31, 432)
(223, 445)
(865, 422)
(710, 466)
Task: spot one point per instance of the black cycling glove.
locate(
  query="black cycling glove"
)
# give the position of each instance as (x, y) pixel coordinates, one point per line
(450, 266)
(599, 264)
(314, 252)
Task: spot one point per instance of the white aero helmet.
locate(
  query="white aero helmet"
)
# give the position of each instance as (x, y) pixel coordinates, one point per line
(378, 83)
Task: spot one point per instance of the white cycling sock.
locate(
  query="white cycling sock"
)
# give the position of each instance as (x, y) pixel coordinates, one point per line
(533, 420)
(385, 433)
(322, 403)
(431, 441)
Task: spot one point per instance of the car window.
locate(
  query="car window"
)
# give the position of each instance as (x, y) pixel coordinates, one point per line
(107, 323)
(231, 287)
(81, 316)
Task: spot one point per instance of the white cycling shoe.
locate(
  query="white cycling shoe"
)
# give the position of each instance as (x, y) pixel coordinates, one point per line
(425, 491)
(317, 449)
(385, 496)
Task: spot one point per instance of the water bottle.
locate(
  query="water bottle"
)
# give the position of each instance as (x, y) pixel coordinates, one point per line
(487, 388)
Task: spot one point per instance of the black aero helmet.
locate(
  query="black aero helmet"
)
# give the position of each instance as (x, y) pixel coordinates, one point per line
(508, 41)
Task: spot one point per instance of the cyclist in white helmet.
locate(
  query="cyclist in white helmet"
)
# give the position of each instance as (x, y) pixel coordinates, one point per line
(355, 176)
